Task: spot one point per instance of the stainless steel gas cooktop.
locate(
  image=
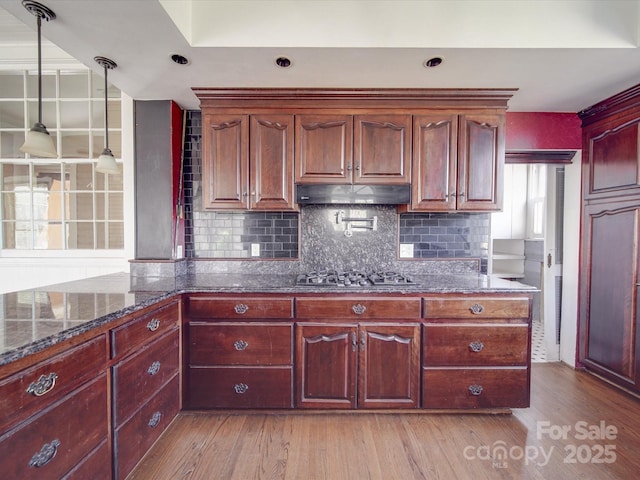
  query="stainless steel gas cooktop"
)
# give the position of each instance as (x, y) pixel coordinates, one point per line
(352, 278)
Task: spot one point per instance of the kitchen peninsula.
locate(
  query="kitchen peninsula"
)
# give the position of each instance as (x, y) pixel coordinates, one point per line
(93, 371)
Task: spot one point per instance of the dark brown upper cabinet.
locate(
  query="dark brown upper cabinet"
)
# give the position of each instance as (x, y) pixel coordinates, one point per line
(360, 149)
(458, 162)
(447, 143)
(247, 162)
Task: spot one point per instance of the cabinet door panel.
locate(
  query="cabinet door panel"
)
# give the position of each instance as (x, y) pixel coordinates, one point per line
(271, 162)
(611, 290)
(326, 366)
(434, 162)
(480, 162)
(613, 154)
(382, 150)
(389, 365)
(324, 148)
(224, 165)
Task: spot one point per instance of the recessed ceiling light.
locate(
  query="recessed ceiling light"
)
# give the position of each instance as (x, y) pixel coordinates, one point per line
(179, 59)
(432, 62)
(283, 62)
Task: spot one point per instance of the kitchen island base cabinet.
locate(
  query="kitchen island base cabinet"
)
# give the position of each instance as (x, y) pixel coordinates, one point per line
(363, 366)
(241, 387)
(475, 388)
(53, 443)
(135, 437)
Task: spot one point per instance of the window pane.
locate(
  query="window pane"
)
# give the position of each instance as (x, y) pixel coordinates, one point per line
(12, 114)
(110, 235)
(10, 143)
(8, 206)
(115, 115)
(80, 235)
(8, 234)
(48, 114)
(47, 235)
(12, 85)
(23, 236)
(75, 144)
(80, 206)
(74, 114)
(80, 176)
(74, 85)
(14, 176)
(48, 85)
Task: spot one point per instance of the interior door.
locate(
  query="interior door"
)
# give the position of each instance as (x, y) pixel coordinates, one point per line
(552, 276)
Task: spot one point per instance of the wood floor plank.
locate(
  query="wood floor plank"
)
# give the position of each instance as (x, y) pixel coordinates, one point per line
(527, 444)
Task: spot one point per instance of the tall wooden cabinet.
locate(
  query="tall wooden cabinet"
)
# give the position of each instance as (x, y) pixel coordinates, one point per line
(610, 277)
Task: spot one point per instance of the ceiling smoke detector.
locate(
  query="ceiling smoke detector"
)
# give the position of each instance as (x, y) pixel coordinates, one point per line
(432, 62)
(179, 59)
(283, 62)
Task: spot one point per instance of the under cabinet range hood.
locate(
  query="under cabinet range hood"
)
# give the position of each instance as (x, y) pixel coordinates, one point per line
(353, 194)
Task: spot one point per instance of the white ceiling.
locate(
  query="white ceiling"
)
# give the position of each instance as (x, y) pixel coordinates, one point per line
(562, 55)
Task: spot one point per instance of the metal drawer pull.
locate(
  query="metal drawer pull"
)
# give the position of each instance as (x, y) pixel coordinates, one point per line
(153, 325)
(241, 387)
(153, 368)
(43, 386)
(45, 455)
(240, 345)
(155, 420)
(359, 309)
(475, 389)
(476, 346)
(476, 309)
(241, 308)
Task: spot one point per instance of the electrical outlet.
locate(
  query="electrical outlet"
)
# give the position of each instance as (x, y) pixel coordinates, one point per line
(406, 250)
(255, 249)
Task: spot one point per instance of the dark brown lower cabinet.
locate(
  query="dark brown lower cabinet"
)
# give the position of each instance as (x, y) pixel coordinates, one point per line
(373, 365)
(609, 292)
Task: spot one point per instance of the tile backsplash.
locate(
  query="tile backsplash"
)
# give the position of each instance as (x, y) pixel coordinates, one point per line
(315, 236)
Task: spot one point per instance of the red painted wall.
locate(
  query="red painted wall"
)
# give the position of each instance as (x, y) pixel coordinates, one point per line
(543, 131)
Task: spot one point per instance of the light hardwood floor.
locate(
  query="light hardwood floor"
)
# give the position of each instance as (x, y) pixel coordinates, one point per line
(544, 441)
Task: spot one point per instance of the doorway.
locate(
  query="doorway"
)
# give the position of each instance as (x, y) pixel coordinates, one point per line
(529, 244)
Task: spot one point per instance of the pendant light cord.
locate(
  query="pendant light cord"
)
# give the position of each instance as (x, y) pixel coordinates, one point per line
(106, 111)
(39, 70)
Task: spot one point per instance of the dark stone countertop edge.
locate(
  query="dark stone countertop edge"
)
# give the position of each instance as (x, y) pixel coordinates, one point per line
(285, 286)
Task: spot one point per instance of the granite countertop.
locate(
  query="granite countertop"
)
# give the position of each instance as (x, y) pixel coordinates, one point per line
(32, 320)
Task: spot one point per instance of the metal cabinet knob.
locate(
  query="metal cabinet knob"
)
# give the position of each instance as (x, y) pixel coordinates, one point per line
(240, 388)
(153, 325)
(240, 345)
(476, 346)
(241, 308)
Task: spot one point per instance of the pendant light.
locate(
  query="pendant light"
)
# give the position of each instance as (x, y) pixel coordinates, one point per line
(38, 142)
(106, 161)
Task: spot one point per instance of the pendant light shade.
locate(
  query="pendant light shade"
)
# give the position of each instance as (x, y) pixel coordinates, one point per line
(106, 161)
(38, 142)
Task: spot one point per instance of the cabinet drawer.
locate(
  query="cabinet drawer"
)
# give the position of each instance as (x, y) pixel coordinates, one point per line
(240, 344)
(446, 344)
(476, 307)
(129, 336)
(96, 466)
(59, 438)
(235, 387)
(475, 388)
(139, 377)
(240, 307)
(135, 437)
(358, 308)
(32, 390)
